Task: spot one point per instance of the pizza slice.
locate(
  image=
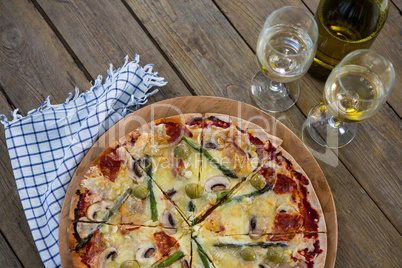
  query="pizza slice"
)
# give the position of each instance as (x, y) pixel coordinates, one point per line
(229, 154)
(292, 200)
(274, 199)
(173, 165)
(103, 245)
(115, 190)
(285, 251)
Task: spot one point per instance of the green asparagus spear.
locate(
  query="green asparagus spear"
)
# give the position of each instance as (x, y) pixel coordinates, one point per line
(203, 258)
(86, 239)
(169, 261)
(194, 221)
(191, 206)
(105, 218)
(225, 170)
(252, 194)
(152, 200)
(117, 205)
(221, 195)
(257, 244)
(202, 253)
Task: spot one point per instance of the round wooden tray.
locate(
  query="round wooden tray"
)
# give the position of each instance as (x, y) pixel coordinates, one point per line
(203, 104)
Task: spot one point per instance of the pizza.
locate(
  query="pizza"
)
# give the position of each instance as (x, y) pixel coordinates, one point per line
(196, 190)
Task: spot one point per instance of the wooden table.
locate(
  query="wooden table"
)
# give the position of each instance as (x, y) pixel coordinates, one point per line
(204, 47)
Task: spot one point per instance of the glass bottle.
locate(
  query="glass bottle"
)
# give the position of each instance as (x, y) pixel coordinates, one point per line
(345, 26)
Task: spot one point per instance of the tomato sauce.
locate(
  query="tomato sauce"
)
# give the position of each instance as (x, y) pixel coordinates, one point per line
(214, 121)
(268, 173)
(310, 215)
(281, 237)
(270, 150)
(85, 200)
(93, 248)
(110, 165)
(175, 130)
(285, 222)
(197, 121)
(259, 144)
(284, 184)
(301, 178)
(310, 255)
(164, 242)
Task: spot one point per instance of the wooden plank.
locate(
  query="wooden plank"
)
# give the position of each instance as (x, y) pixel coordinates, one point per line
(215, 60)
(7, 256)
(185, 39)
(104, 32)
(388, 43)
(33, 62)
(368, 145)
(398, 4)
(13, 225)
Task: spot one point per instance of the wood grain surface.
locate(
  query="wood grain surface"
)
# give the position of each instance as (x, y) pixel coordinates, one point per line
(204, 47)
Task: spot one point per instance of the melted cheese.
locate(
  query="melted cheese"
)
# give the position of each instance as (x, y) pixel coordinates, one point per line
(130, 244)
(172, 176)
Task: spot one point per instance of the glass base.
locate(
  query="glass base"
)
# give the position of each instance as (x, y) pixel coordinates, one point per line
(328, 131)
(272, 96)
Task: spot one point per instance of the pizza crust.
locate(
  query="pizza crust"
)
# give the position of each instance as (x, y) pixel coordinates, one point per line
(256, 131)
(72, 243)
(182, 118)
(223, 117)
(320, 260)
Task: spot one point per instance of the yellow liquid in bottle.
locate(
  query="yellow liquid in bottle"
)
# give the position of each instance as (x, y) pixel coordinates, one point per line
(345, 26)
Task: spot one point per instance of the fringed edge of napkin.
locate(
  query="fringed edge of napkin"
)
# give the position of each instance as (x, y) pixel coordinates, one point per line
(150, 79)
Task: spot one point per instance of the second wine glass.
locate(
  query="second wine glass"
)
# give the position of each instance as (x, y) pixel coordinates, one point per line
(355, 90)
(285, 50)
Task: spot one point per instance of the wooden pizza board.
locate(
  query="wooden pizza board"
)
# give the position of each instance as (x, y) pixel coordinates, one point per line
(204, 104)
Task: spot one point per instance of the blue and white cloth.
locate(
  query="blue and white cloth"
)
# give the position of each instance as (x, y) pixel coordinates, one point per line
(48, 144)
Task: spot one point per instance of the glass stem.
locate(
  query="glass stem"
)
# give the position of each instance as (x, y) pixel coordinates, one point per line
(333, 122)
(276, 86)
(278, 90)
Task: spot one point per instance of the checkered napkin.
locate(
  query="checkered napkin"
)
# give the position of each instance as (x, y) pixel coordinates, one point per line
(48, 144)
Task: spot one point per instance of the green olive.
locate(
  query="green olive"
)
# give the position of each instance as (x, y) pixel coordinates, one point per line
(258, 181)
(194, 190)
(275, 254)
(182, 151)
(253, 147)
(140, 192)
(129, 264)
(248, 254)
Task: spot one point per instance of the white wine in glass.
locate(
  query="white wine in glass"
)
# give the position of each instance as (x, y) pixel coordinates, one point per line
(275, 49)
(355, 90)
(285, 50)
(359, 103)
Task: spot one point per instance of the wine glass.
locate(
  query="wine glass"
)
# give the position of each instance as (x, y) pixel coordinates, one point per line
(285, 50)
(354, 91)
